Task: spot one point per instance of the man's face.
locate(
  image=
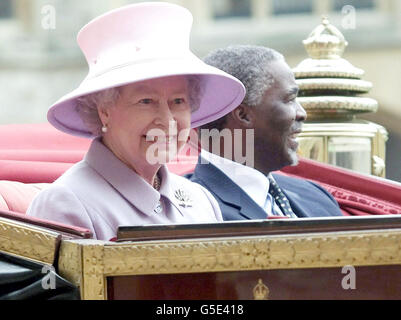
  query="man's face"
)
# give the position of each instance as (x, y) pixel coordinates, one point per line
(279, 119)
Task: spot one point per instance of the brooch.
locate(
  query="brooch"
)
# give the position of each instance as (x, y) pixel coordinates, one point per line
(183, 199)
(158, 208)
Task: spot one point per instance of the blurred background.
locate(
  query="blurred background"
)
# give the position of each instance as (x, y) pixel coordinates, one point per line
(40, 60)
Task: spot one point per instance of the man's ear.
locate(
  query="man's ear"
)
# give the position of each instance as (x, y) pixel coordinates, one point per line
(244, 115)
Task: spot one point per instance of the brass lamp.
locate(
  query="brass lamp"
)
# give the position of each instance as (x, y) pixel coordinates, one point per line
(329, 88)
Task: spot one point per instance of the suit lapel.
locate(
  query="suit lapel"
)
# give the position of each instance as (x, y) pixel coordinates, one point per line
(228, 191)
(250, 209)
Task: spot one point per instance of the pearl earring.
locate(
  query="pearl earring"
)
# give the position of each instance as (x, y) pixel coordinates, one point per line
(104, 129)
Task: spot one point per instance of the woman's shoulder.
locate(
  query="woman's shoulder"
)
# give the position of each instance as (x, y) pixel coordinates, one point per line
(75, 186)
(59, 203)
(75, 171)
(54, 194)
(81, 178)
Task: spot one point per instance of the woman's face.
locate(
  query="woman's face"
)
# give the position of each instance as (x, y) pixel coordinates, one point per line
(149, 123)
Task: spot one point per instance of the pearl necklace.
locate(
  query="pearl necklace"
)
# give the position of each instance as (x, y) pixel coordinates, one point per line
(157, 183)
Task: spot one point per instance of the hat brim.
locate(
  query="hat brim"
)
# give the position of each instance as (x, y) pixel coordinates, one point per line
(221, 93)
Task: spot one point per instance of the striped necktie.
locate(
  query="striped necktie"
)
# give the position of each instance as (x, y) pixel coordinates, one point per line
(280, 198)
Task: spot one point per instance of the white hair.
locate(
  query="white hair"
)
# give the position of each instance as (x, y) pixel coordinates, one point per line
(250, 65)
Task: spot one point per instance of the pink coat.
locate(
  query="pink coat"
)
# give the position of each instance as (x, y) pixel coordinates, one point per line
(101, 193)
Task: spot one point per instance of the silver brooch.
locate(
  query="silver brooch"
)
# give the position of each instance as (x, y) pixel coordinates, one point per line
(183, 199)
(158, 208)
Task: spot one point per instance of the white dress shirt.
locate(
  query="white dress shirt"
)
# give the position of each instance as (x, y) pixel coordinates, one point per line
(254, 183)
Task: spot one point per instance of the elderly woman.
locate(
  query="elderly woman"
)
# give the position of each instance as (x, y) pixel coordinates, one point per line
(144, 91)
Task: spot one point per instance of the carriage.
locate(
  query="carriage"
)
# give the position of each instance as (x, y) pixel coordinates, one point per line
(309, 258)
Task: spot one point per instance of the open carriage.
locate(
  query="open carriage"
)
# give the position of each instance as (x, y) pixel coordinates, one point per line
(273, 259)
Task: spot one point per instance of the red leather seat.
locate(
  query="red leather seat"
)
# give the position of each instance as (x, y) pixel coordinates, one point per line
(16, 196)
(357, 194)
(36, 153)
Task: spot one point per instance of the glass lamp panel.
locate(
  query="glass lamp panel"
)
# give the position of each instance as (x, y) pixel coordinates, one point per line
(351, 153)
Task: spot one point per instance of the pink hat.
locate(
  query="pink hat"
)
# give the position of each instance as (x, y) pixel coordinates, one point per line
(140, 42)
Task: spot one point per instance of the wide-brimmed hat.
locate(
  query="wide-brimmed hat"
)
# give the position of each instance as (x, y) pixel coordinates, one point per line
(140, 42)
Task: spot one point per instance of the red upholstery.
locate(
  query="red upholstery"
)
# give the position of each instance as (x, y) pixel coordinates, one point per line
(38, 153)
(357, 194)
(38, 137)
(16, 196)
(34, 153)
(32, 171)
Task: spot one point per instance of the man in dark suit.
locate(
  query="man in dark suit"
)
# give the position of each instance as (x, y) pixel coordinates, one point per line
(272, 117)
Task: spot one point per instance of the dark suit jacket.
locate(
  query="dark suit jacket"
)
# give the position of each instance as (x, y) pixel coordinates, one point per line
(307, 199)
